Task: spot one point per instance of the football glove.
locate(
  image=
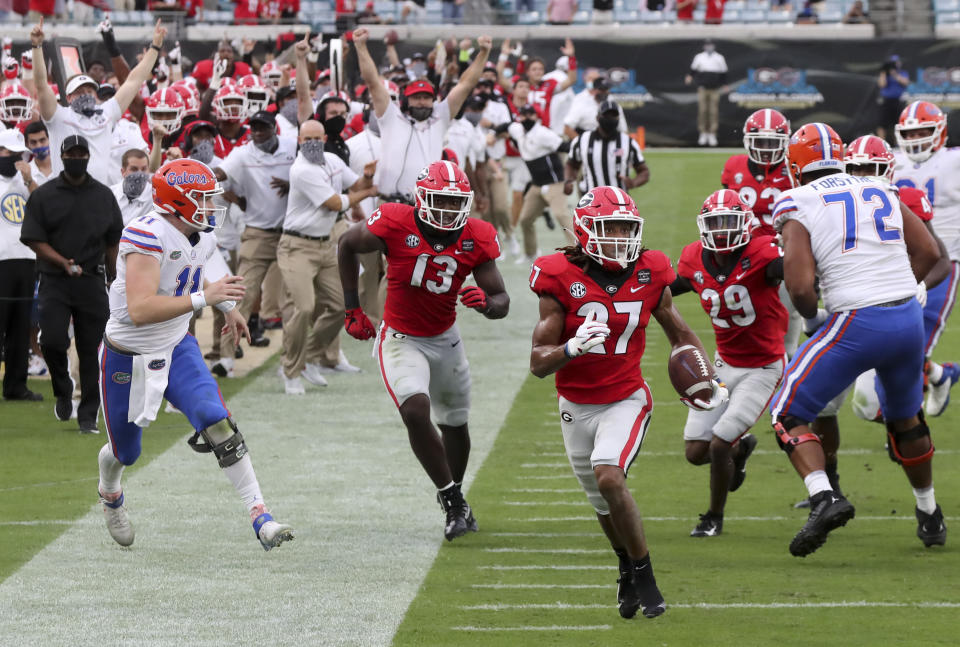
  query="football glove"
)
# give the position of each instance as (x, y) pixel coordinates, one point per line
(11, 69)
(811, 325)
(590, 333)
(358, 324)
(720, 395)
(473, 297)
(922, 294)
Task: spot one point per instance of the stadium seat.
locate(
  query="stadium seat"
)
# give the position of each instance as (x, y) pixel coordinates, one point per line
(731, 15)
(733, 5)
(529, 18)
(753, 15)
(947, 5)
(699, 15)
(626, 16)
(779, 17)
(581, 18)
(120, 18)
(948, 17)
(829, 15)
(652, 17)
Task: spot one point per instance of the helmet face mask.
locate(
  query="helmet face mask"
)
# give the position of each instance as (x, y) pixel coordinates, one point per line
(443, 196)
(16, 104)
(723, 222)
(766, 136)
(921, 131)
(870, 156)
(165, 110)
(229, 104)
(608, 227)
(186, 188)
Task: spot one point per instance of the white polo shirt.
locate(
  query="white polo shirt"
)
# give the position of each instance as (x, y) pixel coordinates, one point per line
(583, 114)
(467, 141)
(497, 113)
(38, 175)
(251, 171)
(411, 146)
(364, 148)
(310, 186)
(13, 206)
(126, 135)
(139, 206)
(97, 130)
(561, 101)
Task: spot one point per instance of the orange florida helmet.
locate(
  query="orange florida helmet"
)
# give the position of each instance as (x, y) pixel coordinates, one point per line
(598, 226)
(766, 135)
(723, 222)
(185, 188)
(873, 153)
(911, 132)
(814, 147)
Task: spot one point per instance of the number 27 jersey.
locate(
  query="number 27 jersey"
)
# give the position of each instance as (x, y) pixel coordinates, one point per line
(423, 279)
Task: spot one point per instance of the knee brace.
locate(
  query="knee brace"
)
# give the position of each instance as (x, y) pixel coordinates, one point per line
(894, 438)
(787, 442)
(228, 451)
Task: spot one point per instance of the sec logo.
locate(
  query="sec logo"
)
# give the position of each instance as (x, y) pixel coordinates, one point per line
(12, 208)
(413, 240)
(578, 290)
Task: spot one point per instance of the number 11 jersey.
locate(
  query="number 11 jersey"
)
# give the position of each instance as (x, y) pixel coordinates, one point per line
(748, 318)
(424, 276)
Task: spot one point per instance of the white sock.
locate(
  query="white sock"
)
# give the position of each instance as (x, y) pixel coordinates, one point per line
(926, 501)
(447, 486)
(110, 471)
(226, 362)
(244, 480)
(935, 373)
(817, 482)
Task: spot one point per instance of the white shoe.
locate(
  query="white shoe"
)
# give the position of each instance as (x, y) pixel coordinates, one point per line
(271, 533)
(344, 365)
(514, 247)
(711, 140)
(169, 408)
(118, 523)
(702, 140)
(223, 367)
(293, 385)
(312, 374)
(36, 366)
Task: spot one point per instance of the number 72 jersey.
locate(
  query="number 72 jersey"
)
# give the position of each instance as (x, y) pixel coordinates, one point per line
(748, 318)
(424, 278)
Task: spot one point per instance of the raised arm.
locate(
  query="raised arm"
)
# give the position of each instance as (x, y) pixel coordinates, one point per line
(502, 66)
(368, 70)
(143, 70)
(45, 97)
(468, 80)
(304, 103)
(569, 52)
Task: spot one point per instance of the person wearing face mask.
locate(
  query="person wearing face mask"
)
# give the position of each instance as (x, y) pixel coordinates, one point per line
(416, 129)
(38, 143)
(85, 116)
(73, 224)
(709, 71)
(17, 267)
(262, 168)
(133, 191)
(321, 188)
(605, 155)
(287, 111)
(583, 113)
(332, 114)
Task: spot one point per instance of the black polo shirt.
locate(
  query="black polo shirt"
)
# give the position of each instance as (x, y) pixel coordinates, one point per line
(79, 222)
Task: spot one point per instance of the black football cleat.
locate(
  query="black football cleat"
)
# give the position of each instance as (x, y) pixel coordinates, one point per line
(642, 592)
(460, 519)
(747, 444)
(710, 525)
(930, 527)
(828, 511)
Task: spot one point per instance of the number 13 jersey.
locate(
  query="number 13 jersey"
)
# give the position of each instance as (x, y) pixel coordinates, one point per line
(748, 318)
(424, 277)
(609, 372)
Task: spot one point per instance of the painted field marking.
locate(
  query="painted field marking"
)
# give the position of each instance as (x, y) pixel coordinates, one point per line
(545, 477)
(545, 503)
(571, 490)
(843, 604)
(48, 484)
(540, 586)
(549, 567)
(528, 466)
(536, 628)
(557, 551)
(41, 522)
(770, 518)
(541, 534)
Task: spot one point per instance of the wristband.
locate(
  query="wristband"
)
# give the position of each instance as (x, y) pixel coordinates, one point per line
(572, 62)
(156, 47)
(504, 58)
(226, 306)
(198, 300)
(110, 42)
(344, 202)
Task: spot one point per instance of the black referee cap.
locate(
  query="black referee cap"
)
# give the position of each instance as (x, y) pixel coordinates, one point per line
(608, 106)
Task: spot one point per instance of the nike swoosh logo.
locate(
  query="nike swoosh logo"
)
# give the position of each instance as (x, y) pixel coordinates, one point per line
(636, 289)
(454, 343)
(741, 275)
(457, 251)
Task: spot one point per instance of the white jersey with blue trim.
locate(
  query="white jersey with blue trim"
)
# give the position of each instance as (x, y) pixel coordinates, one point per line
(181, 272)
(937, 177)
(856, 233)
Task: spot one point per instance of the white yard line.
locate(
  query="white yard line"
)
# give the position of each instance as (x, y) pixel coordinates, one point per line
(548, 567)
(551, 551)
(563, 606)
(534, 628)
(798, 517)
(499, 586)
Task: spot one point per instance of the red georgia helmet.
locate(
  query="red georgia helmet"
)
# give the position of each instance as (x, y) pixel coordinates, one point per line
(443, 196)
(16, 104)
(766, 135)
(917, 116)
(872, 152)
(596, 211)
(190, 96)
(723, 222)
(271, 75)
(165, 108)
(228, 103)
(185, 188)
(256, 95)
(814, 147)
(392, 89)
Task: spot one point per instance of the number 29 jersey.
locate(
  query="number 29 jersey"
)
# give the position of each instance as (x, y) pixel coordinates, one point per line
(856, 234)
(609, 372)
(181, 272)
(748, 318)
(423, 279)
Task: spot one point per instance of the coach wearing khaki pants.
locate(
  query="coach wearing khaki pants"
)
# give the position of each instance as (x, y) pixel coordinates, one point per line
(306, 254)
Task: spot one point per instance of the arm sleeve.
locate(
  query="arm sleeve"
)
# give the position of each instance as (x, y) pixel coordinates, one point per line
(784, 209)
(575, 150)
(134, 240)
(680, 285)
(111, 110)
(33, 228)
(635, 153)
(233, 166)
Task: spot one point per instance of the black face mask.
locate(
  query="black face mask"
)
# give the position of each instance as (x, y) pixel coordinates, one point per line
(7, 166)
(75, 168)
(335, 125)
(609, 124)
(420, 114)
(528, 124)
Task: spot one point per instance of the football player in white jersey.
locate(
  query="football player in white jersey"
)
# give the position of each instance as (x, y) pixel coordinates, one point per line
(869, 253)
(923, 162)
(167, 268)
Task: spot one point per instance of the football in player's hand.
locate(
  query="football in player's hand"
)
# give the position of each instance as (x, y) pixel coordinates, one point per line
(690, 373)
(391, 37)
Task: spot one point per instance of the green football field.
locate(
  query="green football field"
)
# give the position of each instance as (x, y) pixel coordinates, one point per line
(369, 565)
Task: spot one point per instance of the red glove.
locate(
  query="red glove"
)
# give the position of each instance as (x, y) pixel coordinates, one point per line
(473, 297)
(358, 325)
(11, 69)
(26, 60)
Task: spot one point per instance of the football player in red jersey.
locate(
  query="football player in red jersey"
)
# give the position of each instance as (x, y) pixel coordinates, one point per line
(596, 298)
(737, 277)
(759, 176)
(430, 248)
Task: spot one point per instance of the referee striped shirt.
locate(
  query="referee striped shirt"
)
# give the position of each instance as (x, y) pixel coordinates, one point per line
(604, 161)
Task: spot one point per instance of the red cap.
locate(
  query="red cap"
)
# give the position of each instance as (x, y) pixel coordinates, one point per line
(419, 86)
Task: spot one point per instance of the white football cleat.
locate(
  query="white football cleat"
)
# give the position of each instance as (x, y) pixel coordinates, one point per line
(271, 533)
(118, 522)
(293, 386)
(312, 374)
